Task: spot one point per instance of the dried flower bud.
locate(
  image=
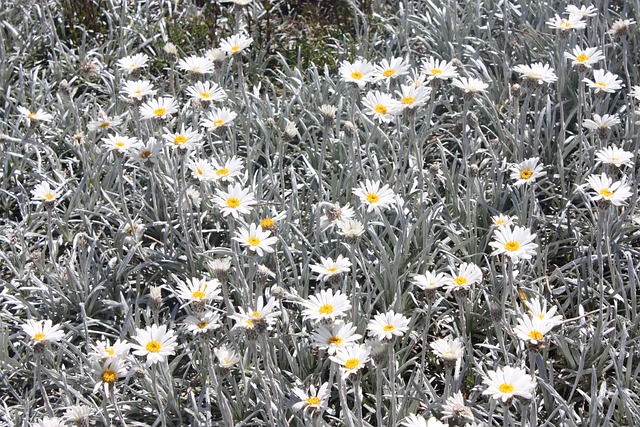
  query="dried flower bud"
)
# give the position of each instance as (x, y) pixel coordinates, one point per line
(350, 128)
(516, 90)
(171, 51)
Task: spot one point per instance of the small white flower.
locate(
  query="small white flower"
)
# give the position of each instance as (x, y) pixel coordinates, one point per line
(235, 44)
(539, 309)
(185, 139)
(613, 155)
(584, 57)
(255, 239)
(388, 325)
(42, 331)
(196, 290)
(448, 349)
(412, 96)
(573, 22)
(620, 28)
(455, 407)
(196, 65)
(507, 383)
(517, 243)
(351, 359)
(44, 193)
(202, 170)
(34, 118)
(583, 11)
(218, 118)
(360, 72)
(138, 89)
(466, 275)
(615, 192)
(226, 358)
(132, 64)
(387, 70)
(105, 350)
(207, 92)
(536, 73)
(335, 336)
(601, 123)
(527, 171)
(119, 143)
(202, 323)
(232, 168)
(470, 85)
(438, 69)
(430, 280)
(374, 196)
(532, 329)
(329, 268)
(381, 106)
(262, 317)
(159, 108)
(351, 229)
(604, 81)
(317, 400)
(326, 306)
(235, 201)
(155, 342)
(502, 220)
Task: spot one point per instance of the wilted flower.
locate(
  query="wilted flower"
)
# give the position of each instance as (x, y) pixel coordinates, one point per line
(620, 28)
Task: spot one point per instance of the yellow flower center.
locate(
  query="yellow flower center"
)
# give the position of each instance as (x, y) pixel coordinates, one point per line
(179, 139)
(160, 111)
(39, 336)
(582, 58)
(526, 173)
(564, 24)
(32, 115)
(235, 48)
(334, 340)
(313, 400)
(153, 346)
(104, 125)
(253, 241)
(223, 171)
(205, 95)
(267, 223)
(233, 202)
(110, 351)
(49, 196)
(352, 363)
(326, 309)
(436, 71)
(356, 75)
(461, 280)
(218, 122)
(606, 192)
(198, 295)
(536, 335)
(109, 376)
(408, 100)
(249, 322)
(137, 92)
(389, 72)
(332, 270)
(389, 328)
(256, 314)
(381, 109)
(601, 84)
(506, 388)
(615, 159)
(500, 221)
(202, 324)
(199, 171)
(119, 144)
(512, 245)
(372, 198)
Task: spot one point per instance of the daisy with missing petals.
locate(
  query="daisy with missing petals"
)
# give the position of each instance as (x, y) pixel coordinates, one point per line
(120, 144)
(438, 69)
(414, 420)
(615, 193)
(412, 96)
(613, 155)
(227, 358)
(455, 407)
(620, 28)
(42, 331)
(159, 108)
(375, 197)
(335, 336)
(387, 70)
(536, 74)
(202, 170)
(228, 170)
(502, 220)
(517, 243)
(335, 215)
(207, 92)
(527, 171)
(470, 85)
(108, 371)
(183, 140)
(147, 153)
(508, 382)
(328, 268)
(326, 306)
(360, 72)
(133, 64)
(539, 309)
(388, 325)
(564, 25)
(218, 118)
(317, 400)
(256, 240)
(235, 44)
(583, 11)
(604, 81)
(466, 275)
(381, 106)
(138, 89)
(601, 124)
(430, 280)
(351, 359)
(584, 58)
(44, 193)
(259, 319)
(103, 122)
(155, 342)
(203, 323)
(351, 229)
(104, 350)
(532, 329)
(34, 118)
(198, 292)
(448, 350)
(196, 65)
(79, 415)
(235, 201)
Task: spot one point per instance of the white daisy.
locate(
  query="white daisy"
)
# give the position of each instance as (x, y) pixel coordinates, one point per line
(573, 22)
(539, 309)
(583, 11)
(374, 196)
(604, 81)
(203, 323)
(381, 106)
(388, 325)
(120, 143)
(256, 240)
(133, 64)
(218, 118)
(224, 172)
(360, 72)
(159, 108)
(584, 57)
(196, 290)
(601, 123)
(335, 215)
(430, 280)
(155, 342)
(466, 275)
(532, 329)
(42, 331)
(107, 372)
(335, 336)
(226, 358)
(316, 400)
(329, 268)
(34, 118)
(207, 92)
(326, 306)
(527, 171)
(351, 359)
(235, 44)
(387, 70)
(507, 383)
(412, 96)
(351, 229)
(186, 139)
(536, 73)
(448, 349)
(455, 407)
(502, 220)
(615, 192)
(517, 243)
(202, 170)
(620, 28)
(613, 155)
(260, 318)
(196, 65)
(438, 69)
(138, 89)
(470, 85)
(44, 193)
(235, 201)
(104, 350)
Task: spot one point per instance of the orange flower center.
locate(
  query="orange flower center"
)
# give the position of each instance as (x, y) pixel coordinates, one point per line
(109, 376)
(526, 174)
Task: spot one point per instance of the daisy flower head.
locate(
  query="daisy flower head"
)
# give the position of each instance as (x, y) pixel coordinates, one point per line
(335, 336)
(185, 139)
(256, 240)
(351, 359)
(463, 277)
(196, 65)
(227, 358)
(225, 172)
(133, 64)
(259, 320)
(584, 58)
(202, 170)
(615, 156)
(539, 309)
(103, 122)
(360, 72)
(34, 118)
(270, 222)
(533, 329)
(351, 229)
(326, 306)
(45, 194)
(527, 171)
(438, 70)
(448, 350)
(564, 25)
(604, 81)
(105, 350)
(387, 70)
(218, 118)
(583, 11)
(235, 44)
(313, 402)
(620, 28)
(608, 192)
(385, 326)
(50, 422)
(470, 86)
(119, 144)
(455, 407)
(147, 153)
(335, 214)
(509, 382)
(198, 292)
(430, 281)
(502, 220)
(381, 106)
(202, 324)
(155, 342)
(107, 372)
(536, 74)
(517, 243)
(330, 269)
(235, 201)
(414, 420)
(207, 92)
(138, 89)
(374, 196)
(42, 332)
(159, 108)
(412, 96)
(79, 415)
(601, 124)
